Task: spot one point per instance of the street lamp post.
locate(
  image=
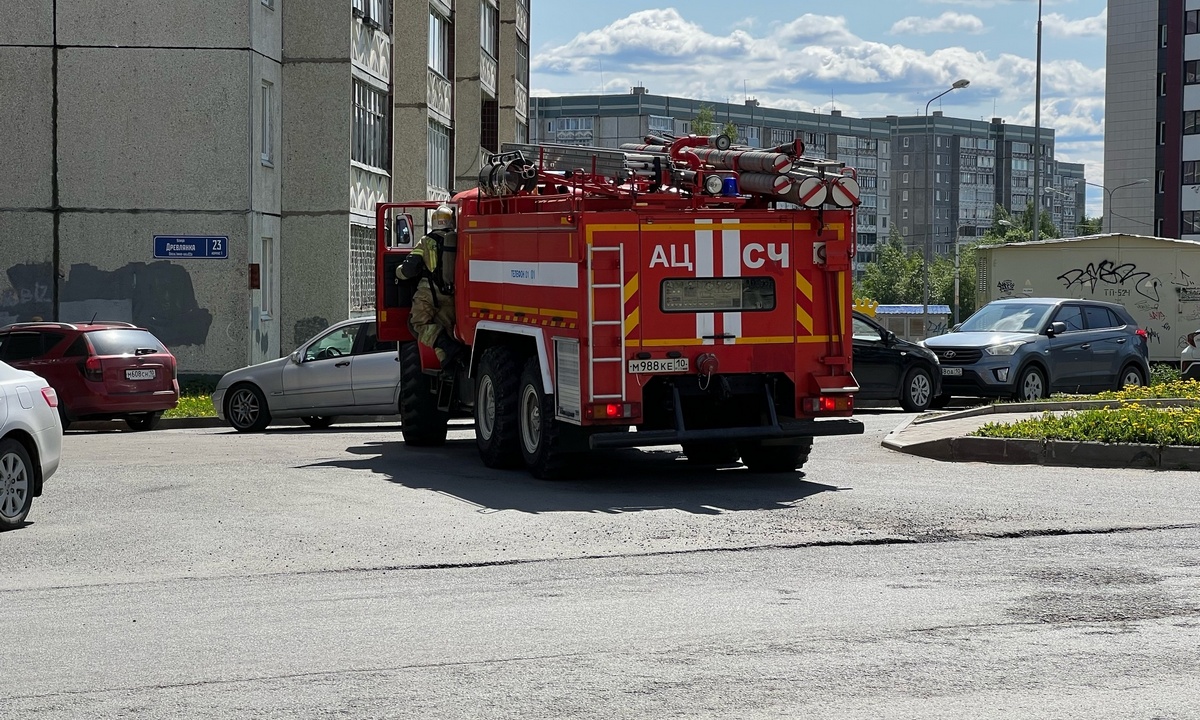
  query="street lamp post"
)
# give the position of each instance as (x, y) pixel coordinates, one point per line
(1108, 204)
(1037, 130)
(928, 244)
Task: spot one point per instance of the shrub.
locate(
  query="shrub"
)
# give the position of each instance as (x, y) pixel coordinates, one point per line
(1131, 423)
(1161, 373)
(1173, 389)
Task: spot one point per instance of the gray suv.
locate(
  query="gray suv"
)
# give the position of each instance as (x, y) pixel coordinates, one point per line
(1027, 348)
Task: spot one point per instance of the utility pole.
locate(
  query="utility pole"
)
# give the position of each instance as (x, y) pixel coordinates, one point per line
(1037, 132)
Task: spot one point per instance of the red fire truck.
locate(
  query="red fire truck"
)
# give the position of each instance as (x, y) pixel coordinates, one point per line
(674, 292)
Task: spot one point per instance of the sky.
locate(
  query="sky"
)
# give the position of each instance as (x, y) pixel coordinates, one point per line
(867, 58)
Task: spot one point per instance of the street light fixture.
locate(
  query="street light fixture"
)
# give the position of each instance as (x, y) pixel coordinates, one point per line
(1108, 204)
(928, 244)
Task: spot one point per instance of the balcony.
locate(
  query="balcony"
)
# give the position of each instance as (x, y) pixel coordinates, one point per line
(372, 49)
(521, 101)
(523, 21)
(487, 72)
(368, 187)
(438, 96)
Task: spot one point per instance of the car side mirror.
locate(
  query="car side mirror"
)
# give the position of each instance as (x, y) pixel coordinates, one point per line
(889, 337)
(1056, 328)
(295, 356)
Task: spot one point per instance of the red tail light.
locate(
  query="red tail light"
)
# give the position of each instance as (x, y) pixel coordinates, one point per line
(1142, 333)
(829, 403)
(93, 369)
(50, 396)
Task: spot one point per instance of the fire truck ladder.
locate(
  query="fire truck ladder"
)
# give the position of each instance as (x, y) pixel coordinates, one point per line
(619, 322)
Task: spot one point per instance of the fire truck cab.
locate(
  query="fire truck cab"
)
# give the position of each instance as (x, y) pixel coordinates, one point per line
(676, 292)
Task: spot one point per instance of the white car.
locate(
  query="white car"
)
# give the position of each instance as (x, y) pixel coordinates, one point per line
(30, 441)
(1189, 359)
(344, 370)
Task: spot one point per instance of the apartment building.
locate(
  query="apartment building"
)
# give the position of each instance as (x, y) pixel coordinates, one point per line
(209, 168)
(610, 120)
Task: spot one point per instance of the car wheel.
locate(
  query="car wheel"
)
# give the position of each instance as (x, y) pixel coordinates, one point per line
(318, 422)
(421, 422)
(761, 458)
(1131, 376)
(497, 434)
(143, 421)
(542, 436)
(246, 409)
(1031, 384)
(16, 484)
(917, 393)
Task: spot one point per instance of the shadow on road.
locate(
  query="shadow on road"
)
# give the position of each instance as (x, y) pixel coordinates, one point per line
(608, 482)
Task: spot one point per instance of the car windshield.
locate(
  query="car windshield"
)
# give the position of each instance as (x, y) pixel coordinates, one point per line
(1008, 317)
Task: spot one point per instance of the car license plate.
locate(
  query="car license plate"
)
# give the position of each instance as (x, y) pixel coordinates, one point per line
(957, 372)
(660, 365)
(140, 374)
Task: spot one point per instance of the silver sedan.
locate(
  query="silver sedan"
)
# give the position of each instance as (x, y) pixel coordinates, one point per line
(344, 370)
(30, 441)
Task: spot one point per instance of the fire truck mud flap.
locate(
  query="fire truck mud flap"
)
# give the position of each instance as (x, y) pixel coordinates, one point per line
(789, 430)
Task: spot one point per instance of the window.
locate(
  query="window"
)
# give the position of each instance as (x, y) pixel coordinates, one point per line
(905, 161)
(1191, 172)
(266, 277)
(362, 268)
(1191, 122)
(904, 216)
(1191, 72)
(371, 11)
(1071, 315)
(370, 126)
(267, 131)
(661, 123)
(489, 28)
(439, 44)
(1191, 222)
(938, 141)
(1099, 318)
(1191, 24)
(333, 344)
(1162, 84)
(522, 62)
(905, 142)
(522, 132)
(905, 178)
(1022, 148)
(437, 168)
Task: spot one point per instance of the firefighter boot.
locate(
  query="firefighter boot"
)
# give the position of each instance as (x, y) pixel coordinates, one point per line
(452, 351)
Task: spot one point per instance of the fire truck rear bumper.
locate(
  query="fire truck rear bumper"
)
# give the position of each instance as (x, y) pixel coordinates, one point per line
(790, 430)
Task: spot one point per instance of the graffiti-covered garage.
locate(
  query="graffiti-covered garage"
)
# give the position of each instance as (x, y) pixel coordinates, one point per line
(1156, 279)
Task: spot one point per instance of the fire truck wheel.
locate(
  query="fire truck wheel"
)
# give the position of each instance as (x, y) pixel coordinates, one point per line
(541, 435)
(760, 458)
(422, 424)
(711, 453)
(917, 392)
(496, 431)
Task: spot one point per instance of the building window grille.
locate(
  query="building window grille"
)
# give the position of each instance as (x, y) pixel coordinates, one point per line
(439, 44)
(437, 168)
(370, 126)
(362, 268)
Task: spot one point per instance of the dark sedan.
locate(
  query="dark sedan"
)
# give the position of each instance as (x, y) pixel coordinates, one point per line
(889, 368)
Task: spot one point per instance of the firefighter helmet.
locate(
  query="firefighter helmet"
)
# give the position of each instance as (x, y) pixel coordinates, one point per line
(442, 218)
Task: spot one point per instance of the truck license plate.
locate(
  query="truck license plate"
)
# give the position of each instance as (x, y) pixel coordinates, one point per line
(140, 374)
(957, 372)
(661, 365)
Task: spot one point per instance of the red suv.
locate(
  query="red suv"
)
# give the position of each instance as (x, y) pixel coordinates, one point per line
(100, 370)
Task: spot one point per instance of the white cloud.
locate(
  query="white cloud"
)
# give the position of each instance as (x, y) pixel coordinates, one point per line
(1059, 26)
(947, 22)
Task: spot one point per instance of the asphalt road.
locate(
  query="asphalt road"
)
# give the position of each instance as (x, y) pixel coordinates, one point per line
(201, 573)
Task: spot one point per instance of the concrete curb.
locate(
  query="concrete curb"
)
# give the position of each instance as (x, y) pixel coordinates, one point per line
(919, 436)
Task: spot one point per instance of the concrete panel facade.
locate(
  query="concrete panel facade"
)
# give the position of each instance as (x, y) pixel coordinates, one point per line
(26, 172)
(151, 23)
(141, 128)
(26, 282)
(314, 274)
(30, 22)
(1131, 121)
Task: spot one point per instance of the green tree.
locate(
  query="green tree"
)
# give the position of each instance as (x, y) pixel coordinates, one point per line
(1090, 225)
(730, 131)
(895, 275)
(703, 123)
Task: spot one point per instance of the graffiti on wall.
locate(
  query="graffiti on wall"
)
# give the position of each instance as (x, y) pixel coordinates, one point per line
(158, 296)
(1114, 281)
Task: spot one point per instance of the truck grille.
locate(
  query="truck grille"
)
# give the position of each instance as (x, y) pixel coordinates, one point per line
(958, 356)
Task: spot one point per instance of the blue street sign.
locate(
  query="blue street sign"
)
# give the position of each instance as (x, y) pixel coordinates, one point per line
(191, 246)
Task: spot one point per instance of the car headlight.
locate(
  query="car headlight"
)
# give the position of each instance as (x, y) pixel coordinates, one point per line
(1004, 349)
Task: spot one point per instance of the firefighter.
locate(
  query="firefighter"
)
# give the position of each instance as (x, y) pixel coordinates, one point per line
(431, 263)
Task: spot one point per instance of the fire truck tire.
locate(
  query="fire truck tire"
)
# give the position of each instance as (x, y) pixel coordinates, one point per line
(760, 458)
(542, 437)
(496, 395)
(711, 453)
(422, 424)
